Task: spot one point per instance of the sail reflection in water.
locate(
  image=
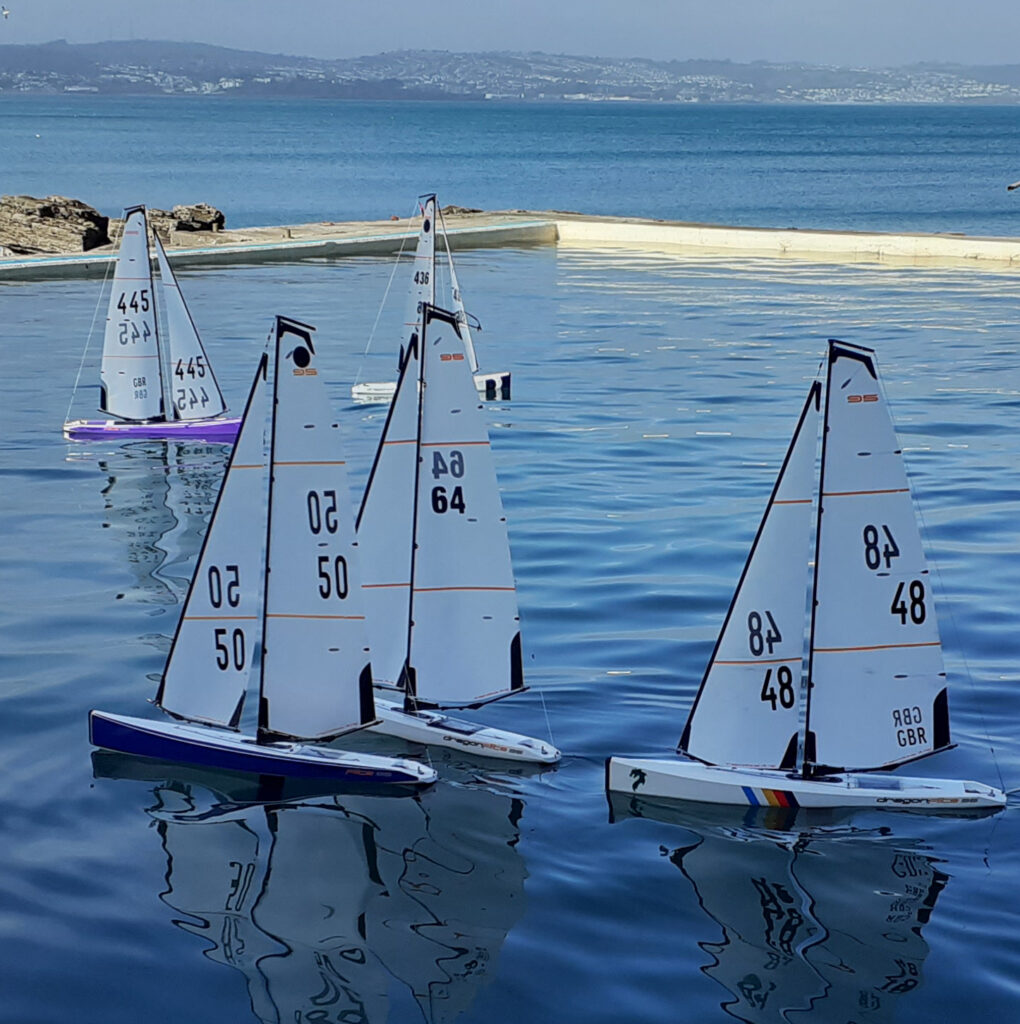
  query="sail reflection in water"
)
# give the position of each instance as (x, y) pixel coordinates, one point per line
(818, 924)
(322, 902)
(157, 496)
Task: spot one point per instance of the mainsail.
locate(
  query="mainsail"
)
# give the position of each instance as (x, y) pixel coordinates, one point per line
(131, 387)
(464, 638)
(313, 587)
(878, 689)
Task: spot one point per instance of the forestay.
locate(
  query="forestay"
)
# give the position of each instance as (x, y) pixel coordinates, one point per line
(465, 630)
(386, 524)
(878, 694)
(131, 383)
(461, 312)
(747, 709)
(220, 624)
(313, 589)
(194, 393)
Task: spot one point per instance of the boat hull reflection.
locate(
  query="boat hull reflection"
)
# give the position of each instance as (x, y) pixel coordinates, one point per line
(334, 906)
(819, 921)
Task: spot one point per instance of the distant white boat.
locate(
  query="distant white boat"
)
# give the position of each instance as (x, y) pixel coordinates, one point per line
(153, 384)
(277, 574)
(422, 292)
(440, 597)
(876, 691)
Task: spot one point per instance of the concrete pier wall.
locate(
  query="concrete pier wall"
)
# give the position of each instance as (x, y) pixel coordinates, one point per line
(336, 241)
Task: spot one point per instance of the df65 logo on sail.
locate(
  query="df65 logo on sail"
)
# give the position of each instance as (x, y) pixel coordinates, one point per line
(855, 399)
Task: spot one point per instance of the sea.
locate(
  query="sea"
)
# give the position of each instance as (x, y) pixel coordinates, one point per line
(653, 398)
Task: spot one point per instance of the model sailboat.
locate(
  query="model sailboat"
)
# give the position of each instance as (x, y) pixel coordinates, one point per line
(440, 597)
(422, 292)
(876, 687)
(295, 549)
(154, 384)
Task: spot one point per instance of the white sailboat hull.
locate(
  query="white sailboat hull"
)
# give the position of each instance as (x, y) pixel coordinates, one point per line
(439, 730)
(225, 750)
(676, 779)
(491, 386)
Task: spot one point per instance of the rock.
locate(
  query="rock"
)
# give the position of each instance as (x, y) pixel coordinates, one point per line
(448, 211)
(52, 225)
(198, 217)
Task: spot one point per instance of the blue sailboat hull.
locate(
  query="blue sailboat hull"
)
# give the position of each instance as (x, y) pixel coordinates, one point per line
(222, 749)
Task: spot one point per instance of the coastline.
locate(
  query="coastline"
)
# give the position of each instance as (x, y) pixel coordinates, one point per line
(486, 229)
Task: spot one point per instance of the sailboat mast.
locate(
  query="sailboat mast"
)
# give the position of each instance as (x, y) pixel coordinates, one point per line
(809, 737)
(263, 708)
(160, 355)
(407, 676)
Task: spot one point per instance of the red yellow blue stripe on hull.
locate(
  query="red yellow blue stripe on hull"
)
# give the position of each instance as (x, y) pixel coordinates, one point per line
(769, 797)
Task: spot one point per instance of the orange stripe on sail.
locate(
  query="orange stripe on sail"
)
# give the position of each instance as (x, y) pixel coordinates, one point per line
(376, 586)
(853, 494)
(793, 501)
(873, 647)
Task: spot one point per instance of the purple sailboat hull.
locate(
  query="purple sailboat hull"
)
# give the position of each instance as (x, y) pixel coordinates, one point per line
(222, 430)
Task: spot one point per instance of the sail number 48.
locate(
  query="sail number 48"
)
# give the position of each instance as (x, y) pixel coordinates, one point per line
(762, 635)
(782, 692)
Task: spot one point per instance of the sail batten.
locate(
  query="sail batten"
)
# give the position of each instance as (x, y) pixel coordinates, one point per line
(747, 708)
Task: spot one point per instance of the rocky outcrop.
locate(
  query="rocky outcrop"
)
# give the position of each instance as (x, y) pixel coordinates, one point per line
(193, 217)
(30, 226)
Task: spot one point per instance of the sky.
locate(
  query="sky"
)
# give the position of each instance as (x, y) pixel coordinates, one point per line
(876, 33)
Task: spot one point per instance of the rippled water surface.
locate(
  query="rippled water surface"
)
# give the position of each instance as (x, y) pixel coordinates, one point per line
(653, 401)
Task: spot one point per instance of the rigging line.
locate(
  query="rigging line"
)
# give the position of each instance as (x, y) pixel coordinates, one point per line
(389, 285)
(955, 629)
(95, 313)
(548, 724)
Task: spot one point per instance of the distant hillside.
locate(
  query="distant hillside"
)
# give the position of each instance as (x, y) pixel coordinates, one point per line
(154, 67)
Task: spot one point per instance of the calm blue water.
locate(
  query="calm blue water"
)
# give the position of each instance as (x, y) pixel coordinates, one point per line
(266, 162)
(654, 398)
